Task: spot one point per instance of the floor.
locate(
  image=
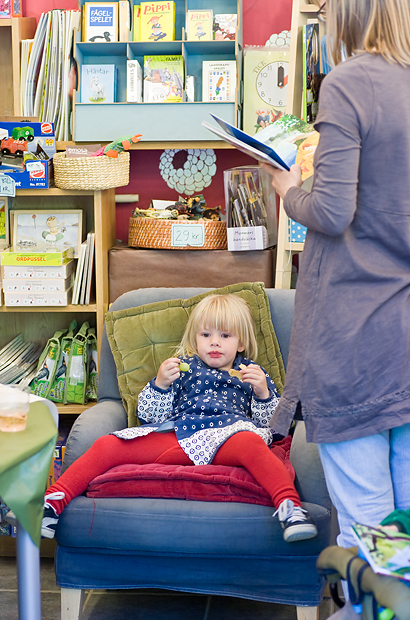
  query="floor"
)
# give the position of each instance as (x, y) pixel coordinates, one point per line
(141, 605)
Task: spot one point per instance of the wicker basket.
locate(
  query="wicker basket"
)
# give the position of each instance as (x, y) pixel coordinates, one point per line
(92, 173)
(147, 232)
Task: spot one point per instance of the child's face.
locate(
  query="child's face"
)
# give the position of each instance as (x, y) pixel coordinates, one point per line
(218, 348)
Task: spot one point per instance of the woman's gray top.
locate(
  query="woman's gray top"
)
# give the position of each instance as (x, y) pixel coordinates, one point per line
(349, 362)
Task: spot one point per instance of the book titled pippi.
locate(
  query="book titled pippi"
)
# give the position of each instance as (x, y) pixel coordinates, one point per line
(157, 21)
(199, 25)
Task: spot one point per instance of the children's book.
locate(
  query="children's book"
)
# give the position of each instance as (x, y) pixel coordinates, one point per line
(157, 21)
(199, 25)
(218, 80)
(100, 22)
(134, 81)
(388, 553)
(136, 23)
(287, 141)
(311, 69)
(98, 83)
(163, 79)
(124, 20)
(225, 26)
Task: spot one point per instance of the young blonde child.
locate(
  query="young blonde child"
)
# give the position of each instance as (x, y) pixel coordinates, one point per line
(211, 404)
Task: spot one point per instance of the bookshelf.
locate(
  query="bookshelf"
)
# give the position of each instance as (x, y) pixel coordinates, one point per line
(38, 324)
(12, 31)
(301, 12)
(160, 123)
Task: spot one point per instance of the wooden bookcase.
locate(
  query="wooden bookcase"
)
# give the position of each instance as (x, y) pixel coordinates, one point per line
(160, 123)
(38, 324)
(301, 12)
(12, 31)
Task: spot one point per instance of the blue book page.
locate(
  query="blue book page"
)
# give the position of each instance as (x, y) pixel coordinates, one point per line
(287, 141)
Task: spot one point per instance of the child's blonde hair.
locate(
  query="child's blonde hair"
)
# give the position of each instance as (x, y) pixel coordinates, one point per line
(223, 312)
(376, 26)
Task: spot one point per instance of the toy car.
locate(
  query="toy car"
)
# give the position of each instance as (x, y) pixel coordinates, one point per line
(13, 147)
(25, 133)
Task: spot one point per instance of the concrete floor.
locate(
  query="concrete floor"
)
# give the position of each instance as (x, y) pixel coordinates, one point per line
(141, 604)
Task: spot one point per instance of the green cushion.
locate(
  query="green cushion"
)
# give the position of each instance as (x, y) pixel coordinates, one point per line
(142, 338)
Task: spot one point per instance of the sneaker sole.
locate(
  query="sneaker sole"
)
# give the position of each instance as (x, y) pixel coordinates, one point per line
(293, 534)
(47, 533)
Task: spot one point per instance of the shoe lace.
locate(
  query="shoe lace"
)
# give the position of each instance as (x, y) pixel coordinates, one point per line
(298, 514)
(55, 495)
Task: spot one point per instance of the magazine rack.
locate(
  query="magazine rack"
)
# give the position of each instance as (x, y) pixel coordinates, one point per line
(301, 13)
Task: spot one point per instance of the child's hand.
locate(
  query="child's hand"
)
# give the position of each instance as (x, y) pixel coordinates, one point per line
(254, 375)
(167, 373)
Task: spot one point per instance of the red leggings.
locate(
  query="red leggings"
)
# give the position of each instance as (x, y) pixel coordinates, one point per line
(244, 449)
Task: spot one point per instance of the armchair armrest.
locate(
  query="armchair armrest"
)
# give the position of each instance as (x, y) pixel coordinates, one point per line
(104, 418)
(310, 479)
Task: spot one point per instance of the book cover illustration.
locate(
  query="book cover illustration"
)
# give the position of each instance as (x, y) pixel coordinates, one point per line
(98, 83)
(218, 80)
(100, 21)
(199, 25)
(287, 141)
(157, 21)
(225, 26)
(163, 79)
(311, 69)
(388, 553)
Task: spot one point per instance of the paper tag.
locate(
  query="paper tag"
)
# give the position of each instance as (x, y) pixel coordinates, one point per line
(188, 234)
(7, 186)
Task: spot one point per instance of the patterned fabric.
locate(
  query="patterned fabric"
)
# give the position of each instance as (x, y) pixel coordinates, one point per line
(207, 406)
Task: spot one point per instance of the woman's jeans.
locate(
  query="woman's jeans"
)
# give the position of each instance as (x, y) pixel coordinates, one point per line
(367, 478)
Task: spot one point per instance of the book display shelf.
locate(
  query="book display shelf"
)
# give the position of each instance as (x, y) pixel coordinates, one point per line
(38, 323)
(12, 31)
(301, 13)
(160, 123)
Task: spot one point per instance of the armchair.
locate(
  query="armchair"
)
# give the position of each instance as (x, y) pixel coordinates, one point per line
(221, 548)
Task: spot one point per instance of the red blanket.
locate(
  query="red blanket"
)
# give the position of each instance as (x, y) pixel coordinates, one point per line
(208, 483)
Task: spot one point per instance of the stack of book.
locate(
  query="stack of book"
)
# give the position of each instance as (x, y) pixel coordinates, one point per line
(83, 276)
(37, 278)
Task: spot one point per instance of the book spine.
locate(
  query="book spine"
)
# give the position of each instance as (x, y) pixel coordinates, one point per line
(124, 25)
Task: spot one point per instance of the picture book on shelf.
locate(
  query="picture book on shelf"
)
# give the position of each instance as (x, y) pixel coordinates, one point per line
(287, 141)
(311, 68)
(225, 26)
(387, 552)
(157, 21)
(218, 80)
(124, 20)
(98, 83)
(100, 22)
(136, 23)
(199, 25)
(163, 79)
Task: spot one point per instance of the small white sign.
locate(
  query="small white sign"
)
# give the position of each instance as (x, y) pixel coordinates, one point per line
(188, 234)
(7, 186)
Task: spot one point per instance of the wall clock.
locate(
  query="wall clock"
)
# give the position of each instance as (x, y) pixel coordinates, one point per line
(265, 87)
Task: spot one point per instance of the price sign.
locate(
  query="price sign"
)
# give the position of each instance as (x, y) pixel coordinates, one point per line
(7, 186)
(188, 234)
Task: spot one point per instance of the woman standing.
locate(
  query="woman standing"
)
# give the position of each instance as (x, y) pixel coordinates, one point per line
(349, 366)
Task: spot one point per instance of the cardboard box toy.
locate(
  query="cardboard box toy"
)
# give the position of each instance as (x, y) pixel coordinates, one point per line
(53, 258)
(36, 272)
(27, 151)
(37, 299)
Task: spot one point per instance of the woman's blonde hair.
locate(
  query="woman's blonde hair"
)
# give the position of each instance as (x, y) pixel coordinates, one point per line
(375, 26)
(228, 313)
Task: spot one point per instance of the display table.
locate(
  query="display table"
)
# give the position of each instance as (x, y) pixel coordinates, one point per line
(25, 459)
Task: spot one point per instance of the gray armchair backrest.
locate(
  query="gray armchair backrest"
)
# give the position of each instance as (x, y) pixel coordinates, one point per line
(281, 304)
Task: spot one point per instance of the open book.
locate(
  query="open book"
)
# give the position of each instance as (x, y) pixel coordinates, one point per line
(285, 142)
(388, 553)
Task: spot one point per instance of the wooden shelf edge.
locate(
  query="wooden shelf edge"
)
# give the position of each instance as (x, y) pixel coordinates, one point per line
(160, 146)
(293, 246)
(69, 308)
(73, 409)
(308, 8)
